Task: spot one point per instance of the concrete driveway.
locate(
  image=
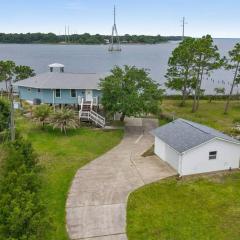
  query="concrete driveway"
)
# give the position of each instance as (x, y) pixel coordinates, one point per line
(96, 204)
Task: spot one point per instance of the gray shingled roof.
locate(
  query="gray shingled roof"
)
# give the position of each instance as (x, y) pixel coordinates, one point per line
(183, 135)
(55, 80)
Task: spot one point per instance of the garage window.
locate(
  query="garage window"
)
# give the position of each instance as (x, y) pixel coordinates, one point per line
(213, 155)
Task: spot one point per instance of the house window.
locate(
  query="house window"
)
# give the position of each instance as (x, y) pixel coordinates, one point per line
(73, 93)
(57, 93)
(213, 155)
(39, 90)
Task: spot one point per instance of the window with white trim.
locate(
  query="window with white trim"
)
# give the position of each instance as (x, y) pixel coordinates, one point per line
(73, 93)
(212, 155)
(58, 93)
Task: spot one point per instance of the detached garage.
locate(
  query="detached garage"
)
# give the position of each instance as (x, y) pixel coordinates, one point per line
(192, 148)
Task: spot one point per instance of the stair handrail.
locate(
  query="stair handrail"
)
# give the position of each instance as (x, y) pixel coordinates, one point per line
(82, 103)
(97, 118)
(91, 107)
(98, 115)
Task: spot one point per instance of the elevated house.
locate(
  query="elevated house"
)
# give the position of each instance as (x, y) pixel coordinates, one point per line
(193, 148)
(57, 87)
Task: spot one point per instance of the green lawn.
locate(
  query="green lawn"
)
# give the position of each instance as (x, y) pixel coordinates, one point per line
(61, 156)
(190, 209)
(210, 114)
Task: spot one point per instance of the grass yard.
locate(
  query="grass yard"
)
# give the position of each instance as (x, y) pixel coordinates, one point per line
(61, 156)
(210, 114)
(190, 209)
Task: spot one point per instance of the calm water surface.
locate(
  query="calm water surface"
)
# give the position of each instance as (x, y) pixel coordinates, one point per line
(82, 58)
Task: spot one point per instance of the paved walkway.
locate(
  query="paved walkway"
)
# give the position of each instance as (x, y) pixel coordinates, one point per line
(96, 205)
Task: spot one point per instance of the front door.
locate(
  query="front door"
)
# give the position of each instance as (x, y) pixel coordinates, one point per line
(89, 95)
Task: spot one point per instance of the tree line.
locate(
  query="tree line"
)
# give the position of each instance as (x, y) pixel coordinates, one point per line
(85, 38)
(194, 59)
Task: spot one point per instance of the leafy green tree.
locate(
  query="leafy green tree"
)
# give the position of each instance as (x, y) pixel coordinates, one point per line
(23, 72)
(130, 91)
(7, 71)
(23, 214)
(4, 114)
(233, 64)
(64, 119)
(42, 113)
(180, 74)
(207, 59)
(4, 120)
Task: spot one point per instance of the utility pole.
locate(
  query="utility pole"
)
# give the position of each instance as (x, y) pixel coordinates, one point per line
(65, 34)
(12, 122)
(183, 27)
(112, 46)
(68, 34)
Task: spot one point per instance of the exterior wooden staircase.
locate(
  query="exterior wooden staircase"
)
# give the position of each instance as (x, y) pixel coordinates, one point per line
(87, 113)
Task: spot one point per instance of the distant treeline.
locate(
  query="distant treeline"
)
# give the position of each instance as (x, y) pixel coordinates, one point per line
(85, 38)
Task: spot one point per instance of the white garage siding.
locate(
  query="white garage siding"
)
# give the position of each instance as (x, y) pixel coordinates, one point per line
(159, 148)
(197, 160)
(166, 153)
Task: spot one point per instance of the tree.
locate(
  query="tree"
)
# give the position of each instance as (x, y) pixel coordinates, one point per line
(4, 114)
(64, 119)
(207, 58)
(130, 91)
(23, 72)
(23, 214)
(4, 119)
(233, 64)
(7, 71)
(41, 113)
(180, 74)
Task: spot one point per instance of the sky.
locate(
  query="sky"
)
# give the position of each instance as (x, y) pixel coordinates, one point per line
(220, 18)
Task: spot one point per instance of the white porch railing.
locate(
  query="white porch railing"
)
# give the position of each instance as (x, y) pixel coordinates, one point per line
(94, 101)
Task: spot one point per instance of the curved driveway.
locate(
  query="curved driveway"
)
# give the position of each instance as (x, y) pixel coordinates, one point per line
(96, 205)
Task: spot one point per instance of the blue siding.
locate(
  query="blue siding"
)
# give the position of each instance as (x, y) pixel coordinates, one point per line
(46, 95)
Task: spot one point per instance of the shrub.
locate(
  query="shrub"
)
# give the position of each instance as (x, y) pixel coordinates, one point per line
(22, 212)
(4, 114)
(236, 120)
(41, 113)
(64, 119)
